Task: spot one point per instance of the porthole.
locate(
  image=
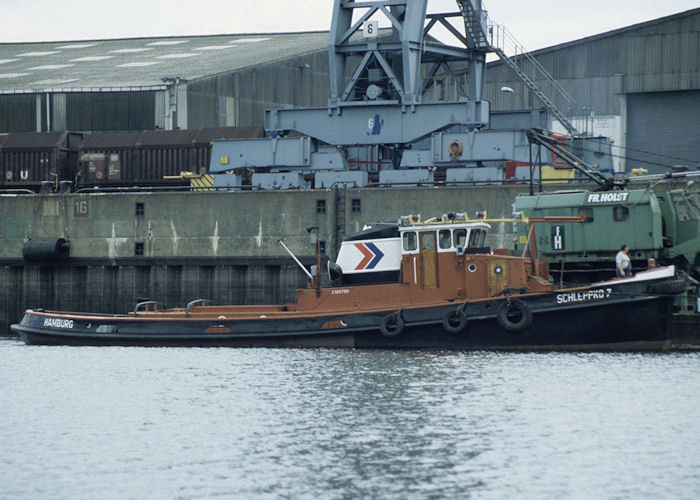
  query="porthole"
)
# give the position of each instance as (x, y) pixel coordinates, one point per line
(471, 268)
(498, 270)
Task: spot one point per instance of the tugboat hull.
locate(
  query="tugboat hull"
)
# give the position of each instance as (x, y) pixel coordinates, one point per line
(614, 317)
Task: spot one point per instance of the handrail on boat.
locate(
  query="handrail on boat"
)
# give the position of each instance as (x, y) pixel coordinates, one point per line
(195, 302)
(147, 303)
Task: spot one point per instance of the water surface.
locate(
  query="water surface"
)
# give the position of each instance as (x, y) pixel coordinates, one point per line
(86, 422)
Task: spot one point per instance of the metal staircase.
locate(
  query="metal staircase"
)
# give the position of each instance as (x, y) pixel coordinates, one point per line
(510, 62)
(475, 24)
(490, 37)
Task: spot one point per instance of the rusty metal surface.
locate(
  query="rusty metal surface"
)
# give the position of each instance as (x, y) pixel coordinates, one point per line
(34, 141)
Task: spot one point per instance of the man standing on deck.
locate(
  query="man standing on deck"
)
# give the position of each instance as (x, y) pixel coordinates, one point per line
(623, 265)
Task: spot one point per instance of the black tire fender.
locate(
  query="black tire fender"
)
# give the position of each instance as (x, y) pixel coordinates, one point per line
(669, 287)
(455, 320)
(392, 325)
(507, 322)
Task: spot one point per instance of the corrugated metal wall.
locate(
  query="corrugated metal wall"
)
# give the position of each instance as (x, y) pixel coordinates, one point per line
(110, 111)
(18, 113)
(241, 97)
(663, 127)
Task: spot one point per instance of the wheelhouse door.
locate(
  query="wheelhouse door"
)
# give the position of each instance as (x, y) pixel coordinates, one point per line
(428, 259)
(498, 279)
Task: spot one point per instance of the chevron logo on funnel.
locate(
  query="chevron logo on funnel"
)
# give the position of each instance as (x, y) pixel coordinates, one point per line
(371, 255)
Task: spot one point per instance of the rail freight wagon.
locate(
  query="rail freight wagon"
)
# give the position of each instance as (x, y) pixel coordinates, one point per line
(117, 159)
(27, 158)
(152, 157)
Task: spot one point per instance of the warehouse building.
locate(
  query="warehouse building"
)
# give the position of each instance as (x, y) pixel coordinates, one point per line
(159, 83)
(639, 85)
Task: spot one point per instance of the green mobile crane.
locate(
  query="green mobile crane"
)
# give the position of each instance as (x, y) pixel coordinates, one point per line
(659, 221)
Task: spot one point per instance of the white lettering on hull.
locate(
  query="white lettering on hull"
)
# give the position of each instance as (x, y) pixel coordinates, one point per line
(570, 297)
(58, 323)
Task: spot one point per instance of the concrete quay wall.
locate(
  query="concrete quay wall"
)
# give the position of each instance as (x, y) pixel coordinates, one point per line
(176, 247)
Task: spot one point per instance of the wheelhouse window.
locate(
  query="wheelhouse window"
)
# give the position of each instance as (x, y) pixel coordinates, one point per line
(410, 241)
(477, 238)
(460, 236)
(445, 239)
(474, 238)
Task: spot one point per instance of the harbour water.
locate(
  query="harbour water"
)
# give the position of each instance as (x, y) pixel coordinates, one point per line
(286, 423)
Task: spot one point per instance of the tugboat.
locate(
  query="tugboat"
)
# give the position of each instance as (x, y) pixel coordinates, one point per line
(408, 284)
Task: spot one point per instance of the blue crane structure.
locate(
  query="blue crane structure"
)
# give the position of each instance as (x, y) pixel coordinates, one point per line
(380, 120)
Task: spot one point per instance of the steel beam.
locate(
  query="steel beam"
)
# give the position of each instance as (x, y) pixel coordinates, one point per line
(378, 123)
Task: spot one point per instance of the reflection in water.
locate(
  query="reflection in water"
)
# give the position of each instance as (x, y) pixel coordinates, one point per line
(132, 422)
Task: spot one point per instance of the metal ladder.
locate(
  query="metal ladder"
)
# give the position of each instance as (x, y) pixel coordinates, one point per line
(340, 217)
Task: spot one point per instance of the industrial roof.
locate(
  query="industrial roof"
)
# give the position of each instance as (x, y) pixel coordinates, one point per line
(620, 32)
(141, 63)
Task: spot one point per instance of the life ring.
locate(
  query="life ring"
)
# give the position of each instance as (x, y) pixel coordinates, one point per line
(455, 321)
(455, 150)
(514, 316)
(392, 325)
